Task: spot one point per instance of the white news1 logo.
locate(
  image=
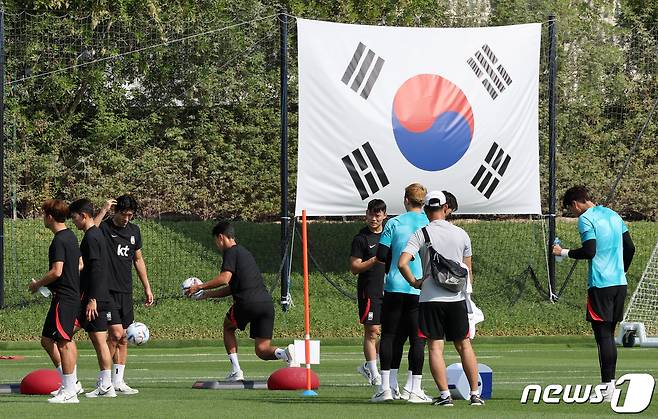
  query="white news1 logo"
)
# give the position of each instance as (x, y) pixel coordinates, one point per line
(638, 393)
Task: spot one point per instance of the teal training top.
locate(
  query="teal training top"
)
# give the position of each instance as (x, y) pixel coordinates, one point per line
(606, 227)
(395, 236)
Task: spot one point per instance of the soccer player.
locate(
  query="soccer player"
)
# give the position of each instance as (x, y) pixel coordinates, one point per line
(63, 280)
(240, 277)
(400, 306)
(608, 248)
(125, 249)
(94, 294)
(443, 313)
(370, 285)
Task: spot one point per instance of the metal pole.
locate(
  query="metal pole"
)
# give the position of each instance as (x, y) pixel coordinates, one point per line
(552, 165)
(285, 220)
(2, 158)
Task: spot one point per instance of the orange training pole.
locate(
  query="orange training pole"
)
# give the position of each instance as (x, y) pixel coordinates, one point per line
(307, 316)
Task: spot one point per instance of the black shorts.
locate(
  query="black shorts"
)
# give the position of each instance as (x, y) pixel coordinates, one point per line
(449, 320)
(121, 309)
(61, 319)
(99, 324)
(260, 317)
(606, 304)
(400, 315)
(370, 310)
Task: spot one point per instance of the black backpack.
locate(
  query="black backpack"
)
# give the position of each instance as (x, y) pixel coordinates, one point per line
(446, 272)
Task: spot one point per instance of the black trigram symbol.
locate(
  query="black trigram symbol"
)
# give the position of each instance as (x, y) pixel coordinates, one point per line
(364, 69)
(365, 166)
(493, 168)
(484, 63)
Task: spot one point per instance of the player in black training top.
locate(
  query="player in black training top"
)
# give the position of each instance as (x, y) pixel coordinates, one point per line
(252, 303)
(125, 249)
(63, 280)
(370, 285)
(94, 293)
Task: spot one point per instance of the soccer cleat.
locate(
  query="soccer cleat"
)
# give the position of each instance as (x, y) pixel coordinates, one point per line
(373, 380)
(78, 389)
(443, 401)
(382, 396)
(102, 392)
(476, 400)
(235, 376)
(290, 355)
(419, 397)
(404, 394)
(64, 397)
(396, 393)
(123, 388)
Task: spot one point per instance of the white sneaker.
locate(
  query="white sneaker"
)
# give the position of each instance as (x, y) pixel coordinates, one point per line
(404, 394)
(78, 389)
(419, 397)
(235, 376)
(373, 380)
(102, 392)
(382, 396)
(290, 354)
(396, 393)
(64, 397)
(123, 388)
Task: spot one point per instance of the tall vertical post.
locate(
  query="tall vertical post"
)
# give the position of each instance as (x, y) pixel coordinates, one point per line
(552, 76)
(285, 220)
(2, 158)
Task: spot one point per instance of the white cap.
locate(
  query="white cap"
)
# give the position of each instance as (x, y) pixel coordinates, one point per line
(435, 199)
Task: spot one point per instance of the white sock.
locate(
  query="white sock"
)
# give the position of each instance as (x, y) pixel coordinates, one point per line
(281, 354)
(416, 381)
(59, 371)
(105, 377)
(385, 380)
(68, 382)
(474, 393)
(233, 359)
(410, 381)
(117, 378)
(372, 366)
(445, 394)
(611, 386)
(393, 380)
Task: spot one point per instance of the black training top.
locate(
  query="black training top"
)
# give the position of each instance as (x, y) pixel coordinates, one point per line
(94, 275)
(364, 246)
(64, 248)
(247, 285)
(122, 242)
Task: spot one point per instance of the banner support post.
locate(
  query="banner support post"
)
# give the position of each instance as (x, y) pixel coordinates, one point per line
(552, 164)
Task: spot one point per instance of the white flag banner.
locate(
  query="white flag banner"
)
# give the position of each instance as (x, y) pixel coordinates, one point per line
(454, 109)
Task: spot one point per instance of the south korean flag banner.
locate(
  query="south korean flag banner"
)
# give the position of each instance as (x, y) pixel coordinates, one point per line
(454, 109)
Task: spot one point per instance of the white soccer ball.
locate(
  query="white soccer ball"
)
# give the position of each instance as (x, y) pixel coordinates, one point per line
(188, 283)
(138, 334)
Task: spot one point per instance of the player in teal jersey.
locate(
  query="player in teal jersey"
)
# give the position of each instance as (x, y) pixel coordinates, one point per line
(609, 250)
(400, 309)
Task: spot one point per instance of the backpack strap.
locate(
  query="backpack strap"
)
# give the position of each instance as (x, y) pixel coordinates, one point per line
(427, 237)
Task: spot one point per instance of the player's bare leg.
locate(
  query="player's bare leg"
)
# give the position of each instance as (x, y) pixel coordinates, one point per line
(369, 370)
(50, 346)
(104, 387)
(118, 347)
(470, 365)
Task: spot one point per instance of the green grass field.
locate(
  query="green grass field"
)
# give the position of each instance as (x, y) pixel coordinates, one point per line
(164, 373)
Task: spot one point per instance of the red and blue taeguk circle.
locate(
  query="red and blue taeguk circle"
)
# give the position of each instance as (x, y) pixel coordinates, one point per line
(432, 122)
